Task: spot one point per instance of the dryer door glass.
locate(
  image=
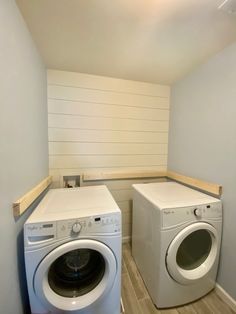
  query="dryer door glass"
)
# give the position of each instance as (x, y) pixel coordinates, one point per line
(76, 272)
(192, 253)
(194, 249)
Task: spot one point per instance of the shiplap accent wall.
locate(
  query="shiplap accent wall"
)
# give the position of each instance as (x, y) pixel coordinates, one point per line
(99, 123)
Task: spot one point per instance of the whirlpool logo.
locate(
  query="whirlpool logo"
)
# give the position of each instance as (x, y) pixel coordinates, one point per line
(168, 212)
(32, 228)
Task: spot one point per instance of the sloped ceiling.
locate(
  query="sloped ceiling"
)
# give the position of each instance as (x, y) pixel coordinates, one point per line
(156, 41)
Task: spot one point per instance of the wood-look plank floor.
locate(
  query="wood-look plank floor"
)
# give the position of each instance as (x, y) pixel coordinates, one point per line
(137, 301)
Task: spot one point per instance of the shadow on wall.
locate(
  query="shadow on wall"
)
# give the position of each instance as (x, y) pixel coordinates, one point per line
(22, 274)
(21, 258)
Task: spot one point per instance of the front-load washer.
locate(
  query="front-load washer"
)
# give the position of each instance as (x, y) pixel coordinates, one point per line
(73, 252)
(176, 241)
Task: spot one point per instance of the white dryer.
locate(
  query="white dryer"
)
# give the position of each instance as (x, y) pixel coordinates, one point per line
(176, 241)
(73, 252)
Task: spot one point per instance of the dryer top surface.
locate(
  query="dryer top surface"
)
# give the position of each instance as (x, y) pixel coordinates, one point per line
(79, 202)
(172, 195)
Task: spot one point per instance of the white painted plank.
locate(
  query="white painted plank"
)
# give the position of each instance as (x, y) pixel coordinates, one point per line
(98, 123)
(91, 161)
(58, 174)
(98, 136)
(81, 170)
(106, 83)
(62, 148)
(122, 184)
(106, 110)
(106, 97)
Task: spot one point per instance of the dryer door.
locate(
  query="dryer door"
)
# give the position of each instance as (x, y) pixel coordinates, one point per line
(75, 275)
(192, 253)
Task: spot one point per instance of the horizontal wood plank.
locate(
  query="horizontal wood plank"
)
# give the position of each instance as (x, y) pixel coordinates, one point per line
(59, 106)
(68, 148)
(92, 161)
(99, 123)
(61, 134)
(106, 97)
(80, 170)
(82, 80)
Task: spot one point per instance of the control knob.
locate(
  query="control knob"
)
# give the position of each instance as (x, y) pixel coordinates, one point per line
(197, 212)
(76, 227)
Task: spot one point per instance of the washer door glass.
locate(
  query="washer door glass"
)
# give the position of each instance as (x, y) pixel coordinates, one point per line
(76, 273)
(192, 253)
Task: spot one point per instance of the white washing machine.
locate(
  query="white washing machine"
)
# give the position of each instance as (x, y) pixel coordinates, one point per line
(176, 241)
(73, 252)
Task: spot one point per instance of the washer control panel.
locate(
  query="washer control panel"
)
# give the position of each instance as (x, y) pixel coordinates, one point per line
(89, 225)
(177, 216)
(39, 233)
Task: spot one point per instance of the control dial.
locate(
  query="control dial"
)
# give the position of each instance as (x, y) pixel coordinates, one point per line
(76, 227)
(197, 212)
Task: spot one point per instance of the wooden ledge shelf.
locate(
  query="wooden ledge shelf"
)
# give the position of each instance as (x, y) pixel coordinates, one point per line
(26, 200)
(99, 176)
(212, 188)
(208, 187)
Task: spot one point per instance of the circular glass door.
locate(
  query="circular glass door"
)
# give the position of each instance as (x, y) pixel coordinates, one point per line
(75, 275)
(192, 253)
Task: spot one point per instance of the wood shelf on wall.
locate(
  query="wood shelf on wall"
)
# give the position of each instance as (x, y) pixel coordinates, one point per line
(99, 176)
(208, 187)
(20, 206)
(26, 200)
(211, 188)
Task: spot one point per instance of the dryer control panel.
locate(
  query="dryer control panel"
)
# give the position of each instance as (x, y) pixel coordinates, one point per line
(173, 217)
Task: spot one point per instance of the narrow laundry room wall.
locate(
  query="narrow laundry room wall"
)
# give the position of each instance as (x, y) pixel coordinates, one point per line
(202, 141)
(106, 124)
(23, 146)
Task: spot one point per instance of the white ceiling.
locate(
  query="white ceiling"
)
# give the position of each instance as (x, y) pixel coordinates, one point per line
(156, 41)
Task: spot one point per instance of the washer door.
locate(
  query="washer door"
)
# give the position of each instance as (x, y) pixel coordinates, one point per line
(192, 253)
(75, 275)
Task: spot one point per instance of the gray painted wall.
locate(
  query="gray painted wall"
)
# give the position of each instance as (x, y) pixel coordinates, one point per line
(23, 146)
(202, 141)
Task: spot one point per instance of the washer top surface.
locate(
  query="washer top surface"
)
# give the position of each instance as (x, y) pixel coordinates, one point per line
(59, 204)
(172, 194)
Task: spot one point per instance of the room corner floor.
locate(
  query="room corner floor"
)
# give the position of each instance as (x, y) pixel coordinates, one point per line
(137, 301)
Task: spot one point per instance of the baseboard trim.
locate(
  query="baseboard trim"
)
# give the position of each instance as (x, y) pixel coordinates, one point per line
(126, 239)
(225, 297)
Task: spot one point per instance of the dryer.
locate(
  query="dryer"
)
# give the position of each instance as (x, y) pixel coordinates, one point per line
(73, 252)
(176, 241)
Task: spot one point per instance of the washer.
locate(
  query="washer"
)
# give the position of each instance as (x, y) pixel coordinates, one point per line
(176, 241)
(73, 252)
